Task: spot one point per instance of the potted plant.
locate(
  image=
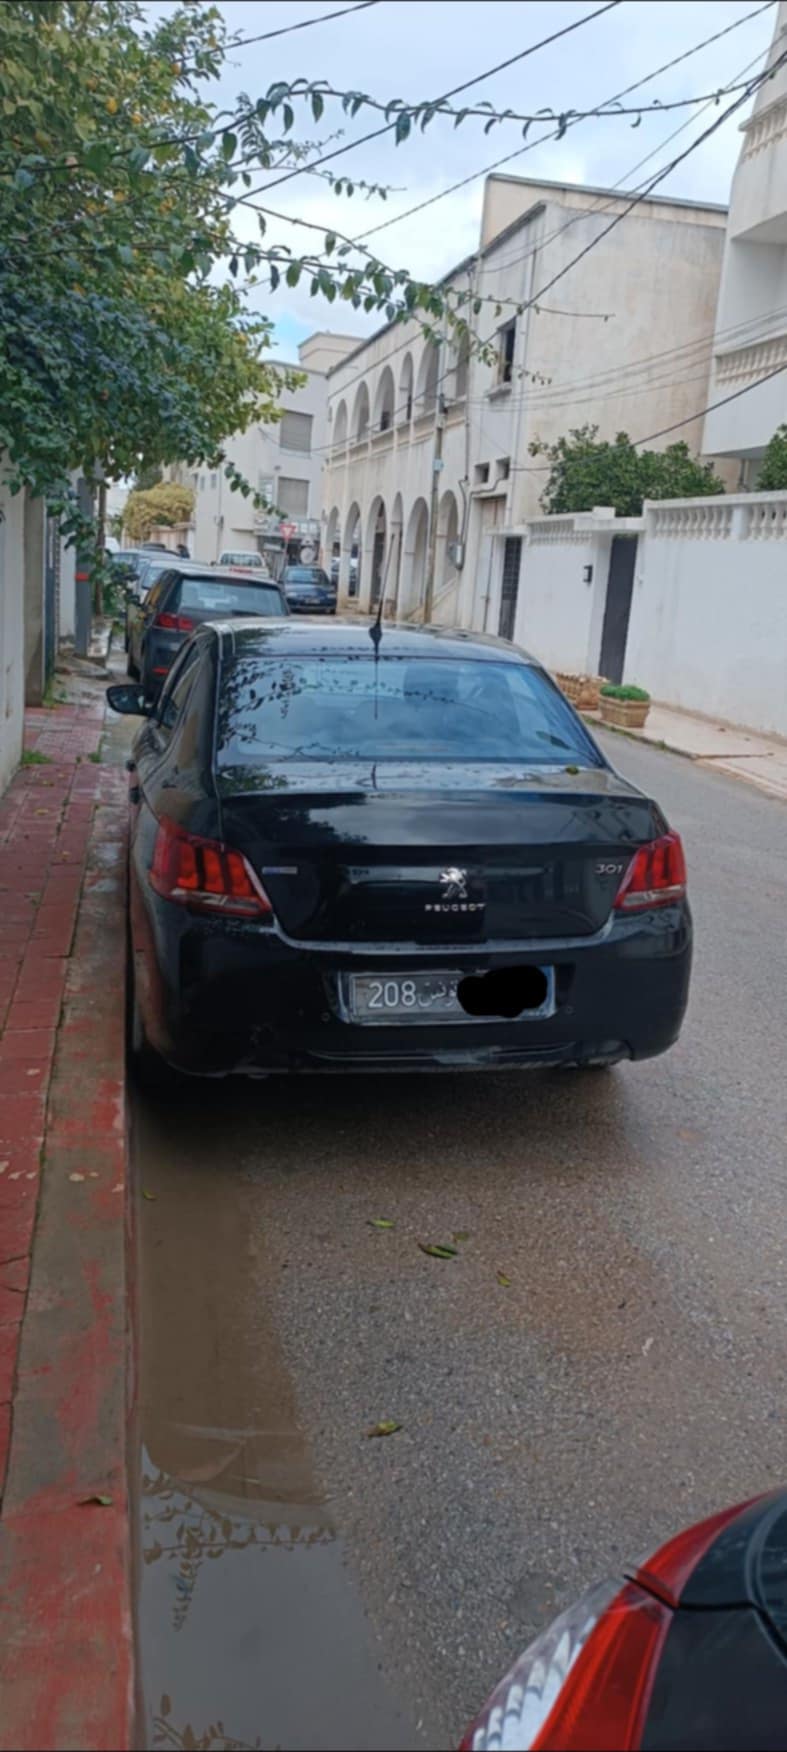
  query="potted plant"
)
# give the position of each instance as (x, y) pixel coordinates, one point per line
(581, 690)
(627, 707)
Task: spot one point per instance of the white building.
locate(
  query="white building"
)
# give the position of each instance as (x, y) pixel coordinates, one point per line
(609, 346)
(281, 461)
(751, 321)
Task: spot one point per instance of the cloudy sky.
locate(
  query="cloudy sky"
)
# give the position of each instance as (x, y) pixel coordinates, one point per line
(417, 49)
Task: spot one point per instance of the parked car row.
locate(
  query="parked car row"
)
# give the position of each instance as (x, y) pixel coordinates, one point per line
(402, 853)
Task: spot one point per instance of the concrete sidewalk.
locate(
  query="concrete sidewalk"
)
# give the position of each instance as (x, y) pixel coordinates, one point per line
(65, 1600)
(762, 760)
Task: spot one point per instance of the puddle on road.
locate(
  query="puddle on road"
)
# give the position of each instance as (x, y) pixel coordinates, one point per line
(251, 1632)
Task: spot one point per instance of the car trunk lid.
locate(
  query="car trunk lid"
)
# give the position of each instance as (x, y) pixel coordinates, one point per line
(392, 854)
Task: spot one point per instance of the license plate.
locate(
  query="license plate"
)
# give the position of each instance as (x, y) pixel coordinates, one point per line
(414, 998)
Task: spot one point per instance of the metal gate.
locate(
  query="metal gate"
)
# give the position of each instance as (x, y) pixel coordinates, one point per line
(512, 560)
(620, 583)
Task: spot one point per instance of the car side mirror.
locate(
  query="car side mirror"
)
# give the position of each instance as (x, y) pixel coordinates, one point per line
(129, 698)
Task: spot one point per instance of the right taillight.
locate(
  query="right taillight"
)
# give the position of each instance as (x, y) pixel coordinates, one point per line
(656, 876)
(206, 875)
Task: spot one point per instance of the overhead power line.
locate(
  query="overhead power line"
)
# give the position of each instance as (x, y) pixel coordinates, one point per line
(520, 152)
(583, 213)
(700, 413)
(490, 72)
(753, 85)
(304, 24)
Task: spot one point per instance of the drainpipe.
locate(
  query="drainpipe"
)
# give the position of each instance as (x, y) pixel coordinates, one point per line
(434, 499)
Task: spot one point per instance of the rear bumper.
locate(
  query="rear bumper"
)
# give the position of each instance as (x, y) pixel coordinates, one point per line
(217, 998)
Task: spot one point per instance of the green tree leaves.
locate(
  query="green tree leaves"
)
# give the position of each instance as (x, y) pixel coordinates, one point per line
(585, 471)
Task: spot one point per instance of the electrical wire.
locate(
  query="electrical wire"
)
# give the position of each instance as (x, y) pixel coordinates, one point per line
(489, 73)
(575, 218)
(553, 135)
(305, 24)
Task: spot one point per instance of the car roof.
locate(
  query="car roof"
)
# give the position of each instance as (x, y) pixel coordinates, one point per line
(260, 637)
(224, 574)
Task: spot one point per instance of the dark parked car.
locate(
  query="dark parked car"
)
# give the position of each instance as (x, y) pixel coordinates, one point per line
(685, 1651)
(183, 596)
(309, 590)
(400, 856)
(152, 568)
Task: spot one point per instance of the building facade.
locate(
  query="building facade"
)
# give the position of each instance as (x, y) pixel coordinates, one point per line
(429, 477)
(751, 320)
(282, 461)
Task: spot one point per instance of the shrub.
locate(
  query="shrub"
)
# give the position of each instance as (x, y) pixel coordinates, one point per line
(611, 692)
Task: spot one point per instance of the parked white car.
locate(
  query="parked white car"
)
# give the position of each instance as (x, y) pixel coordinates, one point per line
(249, 560)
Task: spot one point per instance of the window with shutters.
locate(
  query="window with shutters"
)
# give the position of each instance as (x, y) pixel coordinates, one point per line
(293, 496)
(295, 432)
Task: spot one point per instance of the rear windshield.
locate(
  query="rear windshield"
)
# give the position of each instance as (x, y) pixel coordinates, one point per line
(220, 596)
(348, 707)
(305, 575)
(241, 560)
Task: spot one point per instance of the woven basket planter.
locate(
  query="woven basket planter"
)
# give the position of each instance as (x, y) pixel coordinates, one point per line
(625, 714)
(581, 690)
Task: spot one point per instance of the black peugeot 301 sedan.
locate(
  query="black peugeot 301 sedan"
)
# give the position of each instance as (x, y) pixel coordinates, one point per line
(403, 853)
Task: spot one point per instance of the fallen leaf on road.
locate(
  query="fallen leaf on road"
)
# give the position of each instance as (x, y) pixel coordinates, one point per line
(436, 1250)
(151, 1195)
(381, 1223)
(388, 1427)
(503, 1280)
(462, 1235)
(102, 1502)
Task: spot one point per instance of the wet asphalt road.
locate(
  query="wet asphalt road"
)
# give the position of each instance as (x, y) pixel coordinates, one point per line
(304, 1586)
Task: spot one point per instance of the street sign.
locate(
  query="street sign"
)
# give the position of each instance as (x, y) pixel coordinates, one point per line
(287, 530)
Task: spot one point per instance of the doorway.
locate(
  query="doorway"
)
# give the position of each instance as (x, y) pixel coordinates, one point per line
(512, 560)
(620, 583)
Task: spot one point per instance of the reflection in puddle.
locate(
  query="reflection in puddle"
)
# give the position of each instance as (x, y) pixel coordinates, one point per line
(251, 1631)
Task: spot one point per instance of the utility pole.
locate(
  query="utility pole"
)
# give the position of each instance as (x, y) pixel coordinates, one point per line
(434, 501)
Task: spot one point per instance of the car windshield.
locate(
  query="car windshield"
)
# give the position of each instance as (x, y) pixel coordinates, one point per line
(220, 596)
(399, 708)
(305, 575)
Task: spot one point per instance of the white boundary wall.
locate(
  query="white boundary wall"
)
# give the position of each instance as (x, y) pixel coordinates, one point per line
(708, 625)
(12, 669)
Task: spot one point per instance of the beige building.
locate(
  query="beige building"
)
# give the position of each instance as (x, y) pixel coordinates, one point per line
(429, 477)
(282, 461)
(751, 321)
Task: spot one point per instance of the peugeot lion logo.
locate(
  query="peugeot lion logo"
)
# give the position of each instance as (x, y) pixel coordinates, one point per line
(453, 883)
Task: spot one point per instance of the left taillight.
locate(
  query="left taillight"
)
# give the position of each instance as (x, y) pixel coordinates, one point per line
(656, 876)
(584, 1684)
(206, 875)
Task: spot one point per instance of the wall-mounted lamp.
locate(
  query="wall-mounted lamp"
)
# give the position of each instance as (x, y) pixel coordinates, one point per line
(587, 574)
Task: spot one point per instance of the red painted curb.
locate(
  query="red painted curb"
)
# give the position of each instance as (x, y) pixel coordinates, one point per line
(66, 1655)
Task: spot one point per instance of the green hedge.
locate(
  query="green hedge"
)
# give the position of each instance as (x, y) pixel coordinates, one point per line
(611, 692)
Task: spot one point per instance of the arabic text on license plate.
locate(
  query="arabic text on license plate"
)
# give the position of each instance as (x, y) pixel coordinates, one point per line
(414, 997)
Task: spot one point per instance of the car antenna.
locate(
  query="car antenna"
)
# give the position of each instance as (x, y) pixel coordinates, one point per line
(376, 628)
